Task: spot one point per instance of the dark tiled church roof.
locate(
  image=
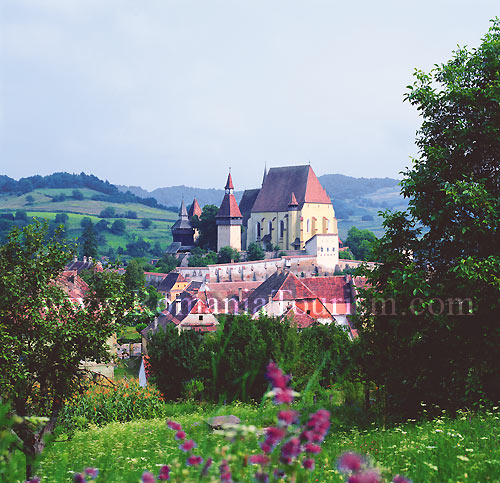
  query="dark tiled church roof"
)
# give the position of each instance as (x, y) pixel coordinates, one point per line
(280, 183)
(247, 202)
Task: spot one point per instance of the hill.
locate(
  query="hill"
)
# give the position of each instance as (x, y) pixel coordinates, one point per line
(102, 203)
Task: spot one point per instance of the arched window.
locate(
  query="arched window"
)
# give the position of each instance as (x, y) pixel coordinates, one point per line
(258, 230)
(308, 225)
(328, 225)
(270, 228)
(282, 228)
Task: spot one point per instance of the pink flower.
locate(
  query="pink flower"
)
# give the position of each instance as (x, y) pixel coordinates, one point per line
(288, 417)
(266, 447)
(370, 476)
(401, 479)
(259, 459)
(148, 477)
(92, 472)
(180, 435)
(276, 377)
(312, 448)
(173, 425)
(350, 462)
(187, 445)
(290, 450)
(225, 472)
(275, 434)
(308, 464)
(283, 395)
(194, 460)
(207, 465)
(164, 473)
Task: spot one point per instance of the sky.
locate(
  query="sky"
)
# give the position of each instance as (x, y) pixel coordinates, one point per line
(175, 92)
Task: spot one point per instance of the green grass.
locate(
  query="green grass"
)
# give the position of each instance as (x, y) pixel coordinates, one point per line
(442, 450)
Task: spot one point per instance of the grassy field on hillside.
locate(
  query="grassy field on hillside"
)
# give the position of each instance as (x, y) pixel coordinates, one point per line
(441, 450)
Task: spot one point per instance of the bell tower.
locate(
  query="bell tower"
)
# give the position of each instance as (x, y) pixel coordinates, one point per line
(229, 219)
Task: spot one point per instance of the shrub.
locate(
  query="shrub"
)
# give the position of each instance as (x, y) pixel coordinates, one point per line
(103, 403)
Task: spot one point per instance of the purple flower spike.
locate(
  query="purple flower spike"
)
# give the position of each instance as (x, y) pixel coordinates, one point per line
(164, 473)
(401, 479)
(225, 472)
(370, 476)
(79, 478)
(259, 459)
(288, 417)
(148, 477)
(194, 460)
(187, 445)
(180, 435)
(308, 464)
(207, 465)
(350, 462)
(92, 472)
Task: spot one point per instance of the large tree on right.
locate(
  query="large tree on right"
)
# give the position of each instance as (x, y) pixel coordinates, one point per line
(430, 321)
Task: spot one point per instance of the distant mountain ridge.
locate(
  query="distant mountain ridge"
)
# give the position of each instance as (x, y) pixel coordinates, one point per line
(338, 186)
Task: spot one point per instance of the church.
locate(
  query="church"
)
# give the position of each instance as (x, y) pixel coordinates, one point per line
(288, 210)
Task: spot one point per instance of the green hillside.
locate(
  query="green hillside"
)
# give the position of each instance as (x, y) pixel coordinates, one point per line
(40, 204)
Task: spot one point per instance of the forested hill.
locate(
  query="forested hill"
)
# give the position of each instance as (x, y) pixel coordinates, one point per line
(105, 190)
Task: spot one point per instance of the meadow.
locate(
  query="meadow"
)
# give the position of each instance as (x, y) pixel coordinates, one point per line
(464, 448)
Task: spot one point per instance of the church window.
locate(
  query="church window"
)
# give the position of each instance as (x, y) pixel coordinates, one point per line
(327, 225)
(308, 225)
(282, 228)
(270, 227)
(258, 230)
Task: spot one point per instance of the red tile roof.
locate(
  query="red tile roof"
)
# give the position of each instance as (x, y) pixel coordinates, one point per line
(194, 209)
(298, 318)
(229, 208)
(72, 284)
(335, 289)
(281, 182)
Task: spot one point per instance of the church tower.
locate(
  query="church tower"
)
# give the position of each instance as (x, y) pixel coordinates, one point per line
(229, 220)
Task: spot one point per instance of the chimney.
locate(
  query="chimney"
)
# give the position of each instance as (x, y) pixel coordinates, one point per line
(240, 294)
(177, 304)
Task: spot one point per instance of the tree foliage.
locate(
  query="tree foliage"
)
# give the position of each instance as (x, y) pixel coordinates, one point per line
(228, 255)
(206, 224)
(361, 243)
(433, 331)
(44, 334)
(255, 252)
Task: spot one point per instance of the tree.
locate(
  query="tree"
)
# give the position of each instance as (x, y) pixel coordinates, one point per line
(346, 255)
(146, 223)
(228, 255)
(255, 252)
(206, 224)
(108, 212)
(101, 225)
(166, 264)
(138, 248)
(361, 243)
(85, 222)
(201, 258)
(61, 218)
(45, 335)
(21, 215)
(118, 227)
(88, 242)
(131, 214)
(134, 277)
(77, 195)
(429, 324)
(30, 200)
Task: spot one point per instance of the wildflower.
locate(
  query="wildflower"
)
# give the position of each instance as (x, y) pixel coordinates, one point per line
(194, 460)
(290, 450)
(208, 464)
(308, 464)
(92, 472)
(401, 479)
(370, 476)
(350, 462)
(288, 417)
(274, 435)
(276, 377)
(259, 459)
(262, 477)
(180, 435)
(283, 396)
(164, 473)
(79, 478)
(173, 425)
(225, 472)
(312, 448)
(187, 445)
(148, 477)
(266, 447)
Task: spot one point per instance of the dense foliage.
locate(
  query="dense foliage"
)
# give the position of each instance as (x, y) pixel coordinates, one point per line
(45, 335)
(230, 362)
(430, 327)
(206, 224)
(361, 243)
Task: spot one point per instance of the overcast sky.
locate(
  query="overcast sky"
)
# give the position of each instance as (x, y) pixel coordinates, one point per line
(166, 92)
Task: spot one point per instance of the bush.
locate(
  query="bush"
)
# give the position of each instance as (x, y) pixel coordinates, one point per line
(228, 255)
(108, 212)
(118, 227)
(104, 403)
(146, 223)
(77, 195)
(255, 252)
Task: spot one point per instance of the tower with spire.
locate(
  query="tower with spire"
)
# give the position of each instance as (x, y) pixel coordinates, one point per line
(229, 219)
(182, 231)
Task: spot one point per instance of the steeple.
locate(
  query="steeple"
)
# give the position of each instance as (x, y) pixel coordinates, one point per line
(183, 212)
(293, 201)
(229, 184)
(194, 209)
(265, 175)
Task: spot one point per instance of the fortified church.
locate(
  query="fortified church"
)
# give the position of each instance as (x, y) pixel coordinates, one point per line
(291, 211)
